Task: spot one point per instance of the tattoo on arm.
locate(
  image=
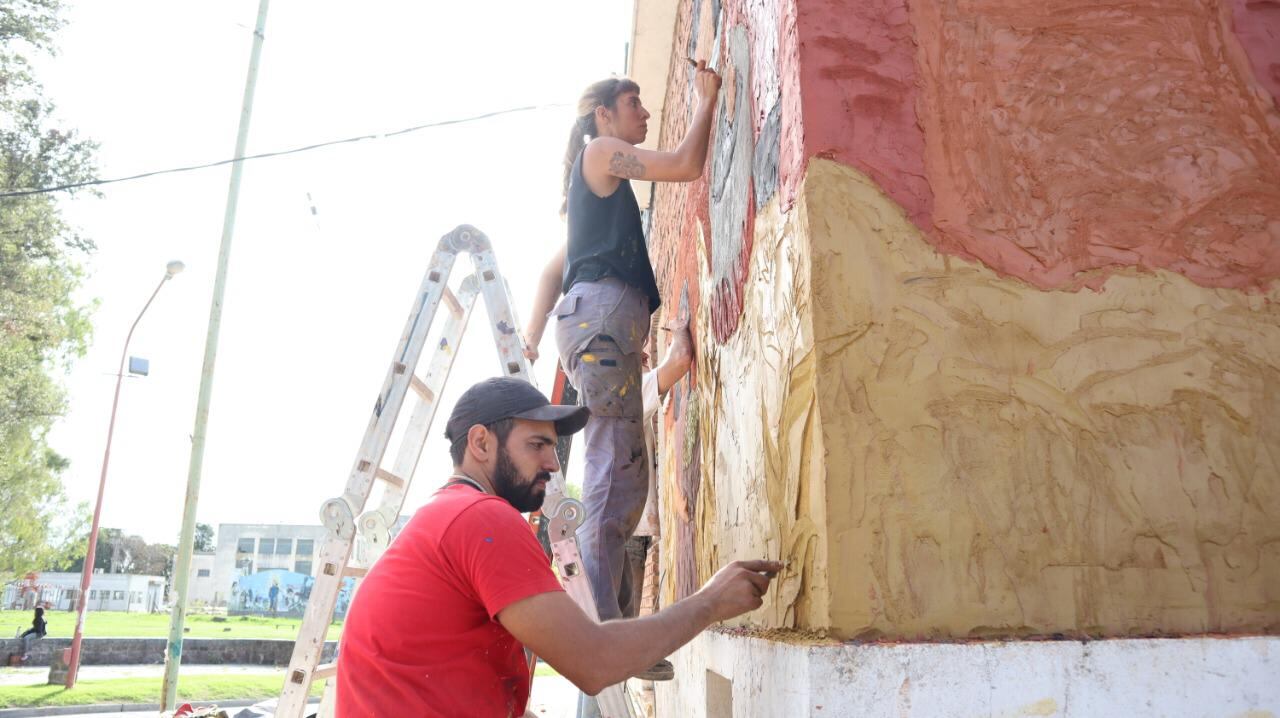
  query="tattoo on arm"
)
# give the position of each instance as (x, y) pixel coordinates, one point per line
(625, 166)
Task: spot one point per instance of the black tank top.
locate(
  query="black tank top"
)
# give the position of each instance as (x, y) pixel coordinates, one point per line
(606, 238)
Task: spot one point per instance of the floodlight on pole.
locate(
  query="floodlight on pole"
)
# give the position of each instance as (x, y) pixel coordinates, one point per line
(86, 575)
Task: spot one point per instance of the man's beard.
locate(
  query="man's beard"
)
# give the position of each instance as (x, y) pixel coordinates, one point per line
(525, 496)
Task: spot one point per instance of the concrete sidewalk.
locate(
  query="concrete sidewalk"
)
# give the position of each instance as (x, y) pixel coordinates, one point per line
(36, 675)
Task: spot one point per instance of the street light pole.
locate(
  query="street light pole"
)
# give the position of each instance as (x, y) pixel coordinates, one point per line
(73, 666)
(182, 561)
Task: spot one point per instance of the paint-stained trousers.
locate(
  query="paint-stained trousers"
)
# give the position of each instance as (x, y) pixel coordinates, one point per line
(601, 330)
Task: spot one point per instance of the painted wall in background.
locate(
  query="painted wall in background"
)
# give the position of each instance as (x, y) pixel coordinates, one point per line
(984, 302)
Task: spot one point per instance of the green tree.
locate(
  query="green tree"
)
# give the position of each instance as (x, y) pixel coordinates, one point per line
(204, 537)
(42, 328)
(119, 552)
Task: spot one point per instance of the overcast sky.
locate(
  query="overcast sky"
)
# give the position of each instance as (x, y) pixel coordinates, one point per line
(314, 304)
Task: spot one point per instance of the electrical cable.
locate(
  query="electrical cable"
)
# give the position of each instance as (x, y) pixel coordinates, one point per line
(278, 153)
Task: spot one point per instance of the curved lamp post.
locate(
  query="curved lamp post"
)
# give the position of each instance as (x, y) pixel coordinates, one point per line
(73, 665)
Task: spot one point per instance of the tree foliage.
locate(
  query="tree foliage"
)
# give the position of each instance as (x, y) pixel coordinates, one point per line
(118, 552)
(42, 327)
(204, 537)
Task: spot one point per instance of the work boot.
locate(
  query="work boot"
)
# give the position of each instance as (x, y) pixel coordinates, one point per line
(660, 671)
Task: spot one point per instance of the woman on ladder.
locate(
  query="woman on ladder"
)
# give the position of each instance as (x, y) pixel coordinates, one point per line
(609, 294)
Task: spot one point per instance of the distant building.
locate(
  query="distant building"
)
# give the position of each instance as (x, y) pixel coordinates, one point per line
(58, 591)
(244, 550)
(255, 565)
(202, 587)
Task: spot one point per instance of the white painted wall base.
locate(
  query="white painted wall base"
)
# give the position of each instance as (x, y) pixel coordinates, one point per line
(1219, 677)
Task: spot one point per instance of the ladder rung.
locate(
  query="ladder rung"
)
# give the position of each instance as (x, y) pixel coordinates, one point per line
(390, 478)
(421, 387)
(454, 305)
(324, 671)
(355, 571)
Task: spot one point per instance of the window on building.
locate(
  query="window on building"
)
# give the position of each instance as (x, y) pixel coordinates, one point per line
(266, 547)
(284, 546)
(244, 546)
(118, 596)
(244, 566)
(202, 573)
(93, 593)
(302, 567)
(306, 547)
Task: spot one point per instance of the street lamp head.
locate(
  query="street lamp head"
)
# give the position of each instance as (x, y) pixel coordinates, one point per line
(173, 268)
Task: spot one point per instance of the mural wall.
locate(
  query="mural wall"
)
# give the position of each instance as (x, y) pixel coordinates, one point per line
(278, 591)
(984, 296)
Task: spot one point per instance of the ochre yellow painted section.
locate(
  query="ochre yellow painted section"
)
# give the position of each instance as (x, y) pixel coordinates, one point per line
(1002, 460)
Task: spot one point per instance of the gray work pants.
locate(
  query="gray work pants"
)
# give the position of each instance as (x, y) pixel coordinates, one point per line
(601, 331)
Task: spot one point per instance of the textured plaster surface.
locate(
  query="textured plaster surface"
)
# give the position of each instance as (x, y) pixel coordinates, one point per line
(1057, 143)
(859, 93)
(1002, 460)
(1065, 142)
(939, 445)
(762, 487)
(731, 209)
(1186, 677)
(1054, 144)
(757, 143)
(1257, 25)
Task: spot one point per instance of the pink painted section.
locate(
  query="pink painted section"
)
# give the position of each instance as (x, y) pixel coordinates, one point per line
(859, 85)
(1065, 142)
(1056, 143)
(793, 155)
(1257, 25)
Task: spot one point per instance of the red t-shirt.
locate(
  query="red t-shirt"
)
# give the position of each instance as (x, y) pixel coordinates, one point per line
(420, 638)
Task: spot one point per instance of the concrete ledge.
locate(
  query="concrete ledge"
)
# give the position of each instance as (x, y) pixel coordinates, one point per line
(143, 651)
(722, 675)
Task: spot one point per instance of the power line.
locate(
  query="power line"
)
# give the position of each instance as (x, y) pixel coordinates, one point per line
(278, 153)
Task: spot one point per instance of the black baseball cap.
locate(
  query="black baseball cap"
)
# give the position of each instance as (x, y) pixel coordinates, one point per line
(510, 398)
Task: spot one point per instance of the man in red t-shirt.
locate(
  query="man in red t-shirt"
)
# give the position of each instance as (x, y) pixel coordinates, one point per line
(440, 622)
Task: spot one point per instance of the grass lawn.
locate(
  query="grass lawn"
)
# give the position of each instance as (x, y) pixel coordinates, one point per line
(202, 688)
(118, 624)
(206, 688)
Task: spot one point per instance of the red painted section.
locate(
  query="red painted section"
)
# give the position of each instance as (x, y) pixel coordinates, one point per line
(1066, 142)
(1054, 144)
(859, 87)
(680, 218)
(1256, 24)
(793, 155)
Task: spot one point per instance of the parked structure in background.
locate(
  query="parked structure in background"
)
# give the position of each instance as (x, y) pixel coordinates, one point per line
(57, 591)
